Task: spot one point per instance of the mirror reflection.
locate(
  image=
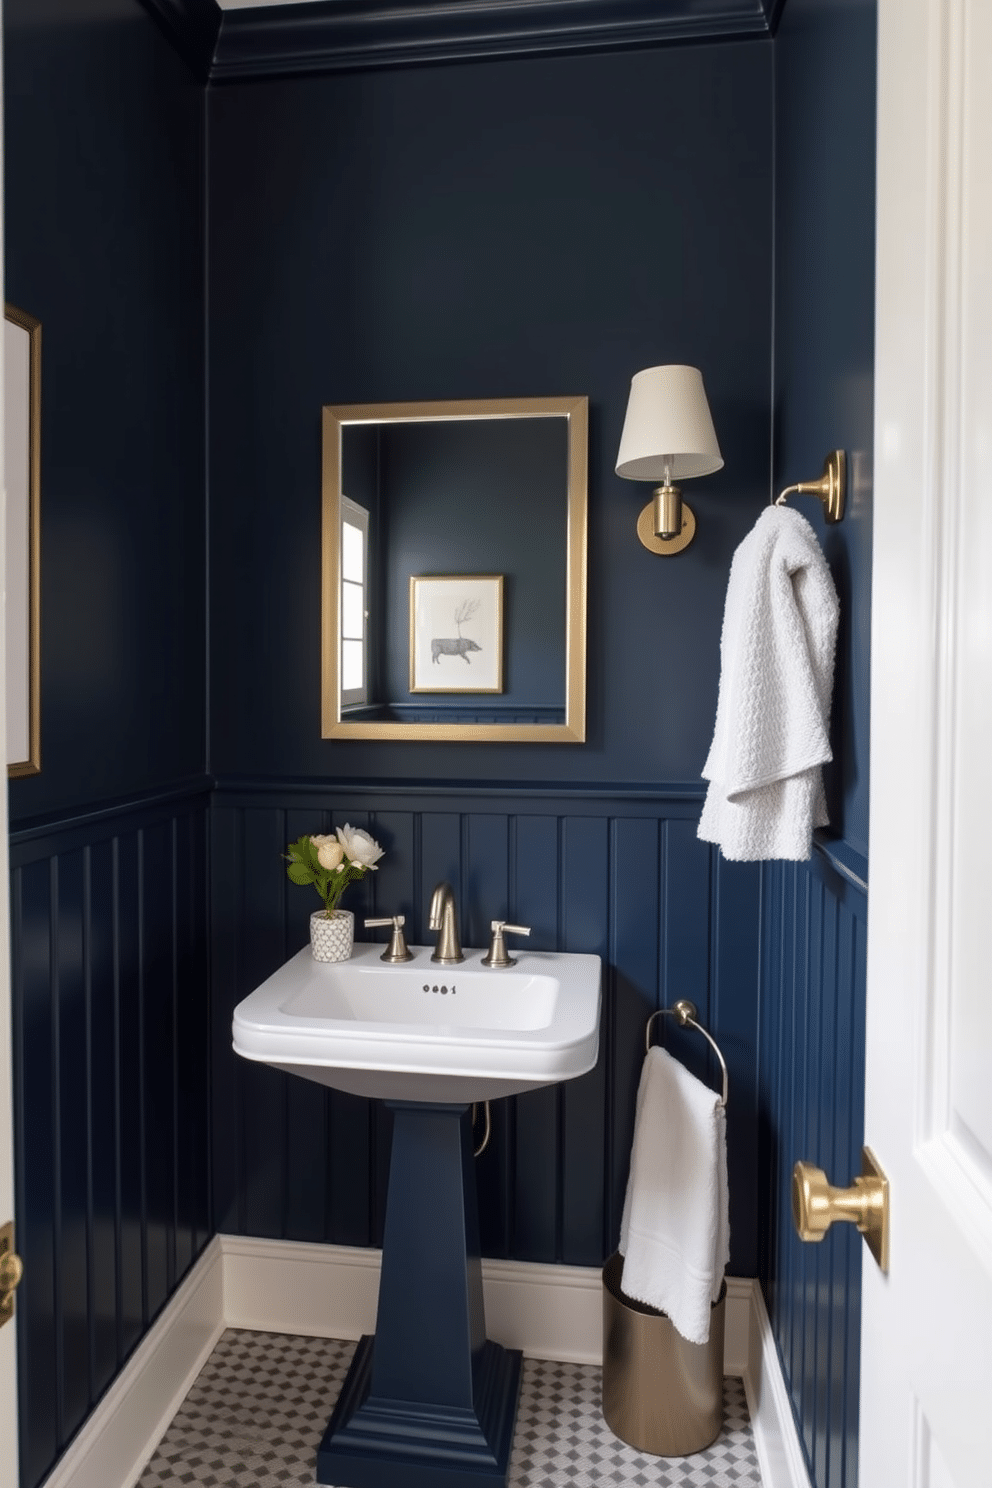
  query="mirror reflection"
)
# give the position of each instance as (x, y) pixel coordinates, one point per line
(454, 570)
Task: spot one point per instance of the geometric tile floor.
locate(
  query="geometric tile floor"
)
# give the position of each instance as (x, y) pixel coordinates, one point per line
(257, 1411)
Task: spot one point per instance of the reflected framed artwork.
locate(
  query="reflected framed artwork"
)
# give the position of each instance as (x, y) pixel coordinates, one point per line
(456, 633)
(22, 444)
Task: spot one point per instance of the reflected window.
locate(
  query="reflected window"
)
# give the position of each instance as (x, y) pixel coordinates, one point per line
(354, 603)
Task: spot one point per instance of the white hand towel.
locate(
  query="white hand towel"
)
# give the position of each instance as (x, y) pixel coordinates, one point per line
(771, 739)
(675, 1231)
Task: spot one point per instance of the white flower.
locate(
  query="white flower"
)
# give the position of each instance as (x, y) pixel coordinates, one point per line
(359, 846)
(330, 854)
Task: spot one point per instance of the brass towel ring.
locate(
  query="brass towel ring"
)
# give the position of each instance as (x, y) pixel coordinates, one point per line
(686, 1014)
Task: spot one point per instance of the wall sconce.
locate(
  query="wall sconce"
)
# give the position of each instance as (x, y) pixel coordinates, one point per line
(668, 434)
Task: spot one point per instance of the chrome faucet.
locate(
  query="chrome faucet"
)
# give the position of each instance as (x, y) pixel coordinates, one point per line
(448, 950)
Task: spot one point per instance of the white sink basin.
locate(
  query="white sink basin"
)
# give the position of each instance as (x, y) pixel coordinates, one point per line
(420, 1031)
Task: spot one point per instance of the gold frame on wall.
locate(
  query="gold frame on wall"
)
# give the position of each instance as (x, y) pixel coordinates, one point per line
(26, 708)
(421, 679)
(335, 418)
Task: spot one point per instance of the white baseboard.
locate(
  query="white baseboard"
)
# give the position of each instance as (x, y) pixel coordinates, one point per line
(284, 1286)
(552, 1312)
(330, 1291)
(120, 1434)
(776, 1439)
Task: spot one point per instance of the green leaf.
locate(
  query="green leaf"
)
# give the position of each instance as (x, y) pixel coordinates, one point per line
(299, 873)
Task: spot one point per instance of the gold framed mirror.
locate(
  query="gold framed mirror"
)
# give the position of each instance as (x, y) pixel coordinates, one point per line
(453, 587)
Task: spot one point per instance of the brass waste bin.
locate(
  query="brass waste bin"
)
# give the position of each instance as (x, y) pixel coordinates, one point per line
(661, 1394)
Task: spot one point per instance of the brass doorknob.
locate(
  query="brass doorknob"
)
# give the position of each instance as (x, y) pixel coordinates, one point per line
(11, 1271)
(816, 1204)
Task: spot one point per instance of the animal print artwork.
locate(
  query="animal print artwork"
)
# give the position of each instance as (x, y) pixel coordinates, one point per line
(456, 633)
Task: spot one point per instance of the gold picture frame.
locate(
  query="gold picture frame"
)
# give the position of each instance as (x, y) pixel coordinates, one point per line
(22, 446)
(456, 633)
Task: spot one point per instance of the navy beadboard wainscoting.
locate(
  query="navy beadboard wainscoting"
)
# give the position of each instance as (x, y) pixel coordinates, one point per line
(621, 874)
(811, 1107)
(814, 915)
(111, 1088)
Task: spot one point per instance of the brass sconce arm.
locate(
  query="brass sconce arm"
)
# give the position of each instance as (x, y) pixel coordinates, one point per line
(831, 488)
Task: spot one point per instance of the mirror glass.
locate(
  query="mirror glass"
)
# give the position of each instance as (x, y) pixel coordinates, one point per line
(454, 570)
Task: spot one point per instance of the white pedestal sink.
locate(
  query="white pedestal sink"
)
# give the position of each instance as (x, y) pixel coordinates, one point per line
(420, 1031)
(429, 1400)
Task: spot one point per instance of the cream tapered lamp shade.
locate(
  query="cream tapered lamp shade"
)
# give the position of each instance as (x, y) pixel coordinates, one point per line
(668, 436)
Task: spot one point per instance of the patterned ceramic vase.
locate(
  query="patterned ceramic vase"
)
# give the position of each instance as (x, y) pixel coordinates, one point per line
(332, 939)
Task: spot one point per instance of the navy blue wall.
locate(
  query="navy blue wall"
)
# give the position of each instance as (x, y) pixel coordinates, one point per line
(621, 875)
(484, 497)
(104, 243)
(811, 1104)
(534, 227)
(111, 1069)
(488, 230)
(811, 1070)
(825, 334)
(529, 227)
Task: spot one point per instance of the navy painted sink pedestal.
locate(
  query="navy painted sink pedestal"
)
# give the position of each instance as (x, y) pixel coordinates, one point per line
(429, 1402)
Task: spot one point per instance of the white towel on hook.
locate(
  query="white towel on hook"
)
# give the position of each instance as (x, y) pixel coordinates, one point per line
(675, 1230)
(771, 736)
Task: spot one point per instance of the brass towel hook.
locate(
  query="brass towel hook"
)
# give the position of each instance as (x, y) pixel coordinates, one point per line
(831, 488)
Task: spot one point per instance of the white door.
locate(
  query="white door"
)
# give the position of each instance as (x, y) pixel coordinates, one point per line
(926, 1350)
(8, 1362)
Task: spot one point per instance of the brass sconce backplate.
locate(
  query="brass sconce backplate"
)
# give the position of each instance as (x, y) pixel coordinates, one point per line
(833, 485)
(667, 545)
(830, 489)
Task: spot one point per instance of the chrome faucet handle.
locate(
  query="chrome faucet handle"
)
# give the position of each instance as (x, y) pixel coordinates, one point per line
(497, 946)
(397, 948)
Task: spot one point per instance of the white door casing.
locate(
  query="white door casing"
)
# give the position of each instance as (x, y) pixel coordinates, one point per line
(926, 1360)
(8, 1357)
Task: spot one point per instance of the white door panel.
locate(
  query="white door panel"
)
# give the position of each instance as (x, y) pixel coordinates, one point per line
(926, 1361)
